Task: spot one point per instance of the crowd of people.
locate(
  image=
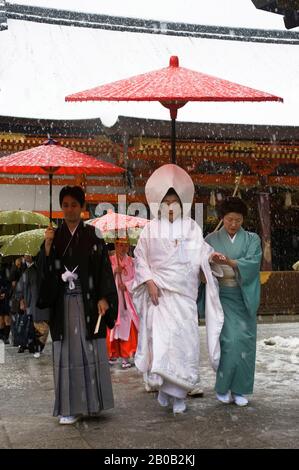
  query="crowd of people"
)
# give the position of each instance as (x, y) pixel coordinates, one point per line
(20, 318)
(103, 305)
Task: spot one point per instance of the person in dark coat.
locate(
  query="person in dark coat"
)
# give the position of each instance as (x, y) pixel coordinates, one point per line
(4, 306)
(27, 288)
(16, 271)
(77, 283)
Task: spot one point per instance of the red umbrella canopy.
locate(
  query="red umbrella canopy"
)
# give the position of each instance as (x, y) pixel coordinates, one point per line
(173, 86)
(51, 157)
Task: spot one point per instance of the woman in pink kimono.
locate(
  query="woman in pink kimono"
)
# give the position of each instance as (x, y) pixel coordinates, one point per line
(122, 339)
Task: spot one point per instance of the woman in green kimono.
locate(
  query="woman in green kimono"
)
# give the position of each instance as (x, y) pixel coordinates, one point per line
(240, 296)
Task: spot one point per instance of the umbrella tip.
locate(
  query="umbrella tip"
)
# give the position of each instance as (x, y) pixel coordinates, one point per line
(50, 141)
(174, 61)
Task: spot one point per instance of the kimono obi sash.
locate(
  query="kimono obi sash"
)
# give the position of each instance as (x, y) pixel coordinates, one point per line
(229, 277)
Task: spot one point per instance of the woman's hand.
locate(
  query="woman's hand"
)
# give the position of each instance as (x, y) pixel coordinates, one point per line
(153, 291)
(103, 306)
(218, 258)
(122, 287)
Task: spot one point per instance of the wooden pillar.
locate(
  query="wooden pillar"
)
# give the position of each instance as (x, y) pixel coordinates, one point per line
(126, 160)
(265, 221)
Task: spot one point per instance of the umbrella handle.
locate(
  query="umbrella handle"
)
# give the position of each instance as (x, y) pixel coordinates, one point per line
(173, 142)
(123, 294)
(50, 189)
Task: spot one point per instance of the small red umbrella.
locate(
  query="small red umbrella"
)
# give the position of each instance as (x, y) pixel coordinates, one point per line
(115, 221)
(173, 87)
(51, 157)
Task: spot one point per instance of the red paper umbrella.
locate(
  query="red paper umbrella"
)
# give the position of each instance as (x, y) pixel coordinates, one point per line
(51, 157)
(173, 87)
(114, 221)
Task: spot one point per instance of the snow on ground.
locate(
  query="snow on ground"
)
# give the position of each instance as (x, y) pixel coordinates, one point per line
(277, 364)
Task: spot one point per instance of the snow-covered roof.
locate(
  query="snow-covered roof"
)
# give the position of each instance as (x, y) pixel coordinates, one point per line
(241, 13)
(42, 63)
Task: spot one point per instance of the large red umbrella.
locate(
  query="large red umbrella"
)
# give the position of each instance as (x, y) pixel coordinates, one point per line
(173, 86)
(51, 157)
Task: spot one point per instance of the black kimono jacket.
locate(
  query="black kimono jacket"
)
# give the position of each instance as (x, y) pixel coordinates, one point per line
(90, 254)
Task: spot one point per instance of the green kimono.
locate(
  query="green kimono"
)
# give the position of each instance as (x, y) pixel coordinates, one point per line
(240, 304)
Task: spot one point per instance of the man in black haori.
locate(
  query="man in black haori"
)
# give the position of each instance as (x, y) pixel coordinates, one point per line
(77, 283)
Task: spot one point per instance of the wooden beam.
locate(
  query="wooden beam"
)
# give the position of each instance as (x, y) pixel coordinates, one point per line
(283, 181)
(97, 198)
(59, 214)
(223, 180)
(61, 181)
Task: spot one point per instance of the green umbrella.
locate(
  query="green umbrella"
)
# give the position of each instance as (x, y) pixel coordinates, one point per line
(25, 243)
(5, 238)
(13, 222)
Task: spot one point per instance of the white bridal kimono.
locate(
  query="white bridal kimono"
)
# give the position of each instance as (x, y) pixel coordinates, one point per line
(171, 254)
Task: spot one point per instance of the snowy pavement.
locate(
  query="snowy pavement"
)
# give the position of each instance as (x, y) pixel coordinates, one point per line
(270, 421)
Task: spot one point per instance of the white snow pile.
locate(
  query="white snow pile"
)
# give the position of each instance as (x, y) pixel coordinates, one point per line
(289, 345)
(278, 362)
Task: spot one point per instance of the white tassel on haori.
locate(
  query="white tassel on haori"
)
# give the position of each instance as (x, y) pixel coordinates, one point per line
(70, 277)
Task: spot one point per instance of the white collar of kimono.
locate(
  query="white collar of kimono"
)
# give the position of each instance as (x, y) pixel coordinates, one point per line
(175, 230)
(73, 231)
(232, 239)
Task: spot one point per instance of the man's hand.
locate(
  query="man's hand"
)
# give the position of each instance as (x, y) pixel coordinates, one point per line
(22, 305)
(49, 237)
(153, 291)
(103, 306)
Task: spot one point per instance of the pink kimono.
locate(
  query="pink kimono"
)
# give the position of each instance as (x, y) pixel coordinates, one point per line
(127, 324)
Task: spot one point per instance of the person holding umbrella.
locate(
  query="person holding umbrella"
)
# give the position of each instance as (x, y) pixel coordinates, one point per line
(122, 340)
(77, 283)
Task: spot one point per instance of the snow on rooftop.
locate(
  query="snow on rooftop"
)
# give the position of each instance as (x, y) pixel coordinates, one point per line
(241, 13)
(42, 63)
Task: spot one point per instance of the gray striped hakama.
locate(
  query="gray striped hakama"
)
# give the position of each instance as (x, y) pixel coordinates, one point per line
(81, 370)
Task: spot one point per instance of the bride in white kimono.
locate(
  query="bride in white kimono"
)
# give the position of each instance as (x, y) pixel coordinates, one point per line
(168, 258)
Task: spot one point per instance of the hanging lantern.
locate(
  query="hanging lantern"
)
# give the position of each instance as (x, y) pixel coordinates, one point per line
(288, 200)
(212, 199)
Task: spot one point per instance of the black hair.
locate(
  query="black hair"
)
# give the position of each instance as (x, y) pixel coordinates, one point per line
(232, 204)
(76, 192)
(172, 192)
